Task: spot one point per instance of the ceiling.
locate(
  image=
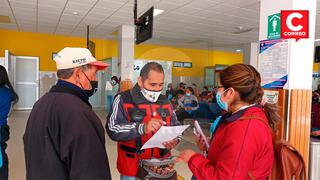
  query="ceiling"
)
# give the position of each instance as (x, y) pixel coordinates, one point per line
(185, 23)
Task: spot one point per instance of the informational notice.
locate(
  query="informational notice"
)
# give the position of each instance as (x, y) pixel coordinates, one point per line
(273, 63)
(271, 97)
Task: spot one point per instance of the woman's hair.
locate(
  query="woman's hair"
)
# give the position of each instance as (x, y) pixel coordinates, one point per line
(190, 89)
(4, 81)
(246, 80)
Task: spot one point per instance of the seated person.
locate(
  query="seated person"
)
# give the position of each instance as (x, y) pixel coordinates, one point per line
(207, 109)
(174, 101)
(188, 104)
(315, 112)
(203, 111)
(170, 91)
(205, 91)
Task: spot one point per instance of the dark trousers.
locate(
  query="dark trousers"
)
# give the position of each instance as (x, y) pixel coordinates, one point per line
(4, 137)
(182, 114)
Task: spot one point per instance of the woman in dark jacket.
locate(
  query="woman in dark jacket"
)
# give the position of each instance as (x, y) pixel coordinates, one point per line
(241, 145)
(8, 97)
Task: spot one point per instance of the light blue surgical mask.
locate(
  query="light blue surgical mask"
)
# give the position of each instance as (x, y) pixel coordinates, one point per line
(222, 105)
(188, 94)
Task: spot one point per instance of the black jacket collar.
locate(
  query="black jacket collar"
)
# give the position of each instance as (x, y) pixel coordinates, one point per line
(233, 117)
(66, 89)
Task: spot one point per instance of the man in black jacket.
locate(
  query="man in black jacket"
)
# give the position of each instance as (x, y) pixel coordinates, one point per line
(64, 138)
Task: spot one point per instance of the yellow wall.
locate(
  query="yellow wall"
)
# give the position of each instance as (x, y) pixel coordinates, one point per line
(221, 57)
(42, 45)
(316, 67)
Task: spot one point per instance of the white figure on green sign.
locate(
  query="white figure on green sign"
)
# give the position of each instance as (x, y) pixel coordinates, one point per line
(274, 24)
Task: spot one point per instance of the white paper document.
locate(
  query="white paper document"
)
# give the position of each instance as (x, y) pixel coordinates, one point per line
(164, 134)
(108, 86)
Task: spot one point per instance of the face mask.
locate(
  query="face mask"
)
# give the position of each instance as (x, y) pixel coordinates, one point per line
(222, 105)
(94, 87)
(113, 82)
(188, 94)
(151, 96)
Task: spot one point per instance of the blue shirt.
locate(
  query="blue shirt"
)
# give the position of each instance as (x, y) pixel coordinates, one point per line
(6, 98)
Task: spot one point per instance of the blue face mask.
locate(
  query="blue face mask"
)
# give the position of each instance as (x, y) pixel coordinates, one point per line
(222, 105)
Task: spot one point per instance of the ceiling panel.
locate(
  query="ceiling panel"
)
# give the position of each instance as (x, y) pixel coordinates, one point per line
(177, 2)
(244, 13)
(109, 4)
(187, 10)
(63, 31)
(111, 23)
(121, 19)
(24, 4)
(254, 6)
(167, 6)
(103, 11)
(201, 4)
(70, 18)
(146, 3)
(51, 3)
(240, 3)
(222, 8)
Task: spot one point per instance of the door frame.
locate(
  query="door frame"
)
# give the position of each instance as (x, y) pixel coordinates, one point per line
(37, 78)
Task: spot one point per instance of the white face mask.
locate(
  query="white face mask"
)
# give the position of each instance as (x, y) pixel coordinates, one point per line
(151, 96)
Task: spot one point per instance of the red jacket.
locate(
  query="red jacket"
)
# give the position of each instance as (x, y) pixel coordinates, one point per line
(237, 148)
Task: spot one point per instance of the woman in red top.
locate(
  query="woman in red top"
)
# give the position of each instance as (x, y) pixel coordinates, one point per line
(241, 147)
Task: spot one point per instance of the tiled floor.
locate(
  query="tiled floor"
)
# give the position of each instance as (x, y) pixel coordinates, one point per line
(17, 124)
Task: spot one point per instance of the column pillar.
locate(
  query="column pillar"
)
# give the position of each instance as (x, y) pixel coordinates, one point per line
(126, 55)
(251, 53)
(299, 71)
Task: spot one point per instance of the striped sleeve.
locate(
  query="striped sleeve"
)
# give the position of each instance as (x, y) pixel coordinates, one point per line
(118, 127)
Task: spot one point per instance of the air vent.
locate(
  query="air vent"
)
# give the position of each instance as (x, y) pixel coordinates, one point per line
(5, 19)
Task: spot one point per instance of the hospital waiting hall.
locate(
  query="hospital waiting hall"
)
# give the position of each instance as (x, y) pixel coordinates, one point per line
(159, 90)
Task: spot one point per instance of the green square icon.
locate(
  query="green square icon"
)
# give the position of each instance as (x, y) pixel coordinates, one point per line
(274, 26)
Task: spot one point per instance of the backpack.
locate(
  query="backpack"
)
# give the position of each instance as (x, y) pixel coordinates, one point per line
(288, 163)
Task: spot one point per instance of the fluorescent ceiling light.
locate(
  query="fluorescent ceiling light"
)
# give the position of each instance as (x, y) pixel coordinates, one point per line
(157, 12)
(75, 13)
(238, 50)
(317, 40)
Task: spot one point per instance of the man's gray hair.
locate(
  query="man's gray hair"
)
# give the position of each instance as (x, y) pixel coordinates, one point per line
(67, 73)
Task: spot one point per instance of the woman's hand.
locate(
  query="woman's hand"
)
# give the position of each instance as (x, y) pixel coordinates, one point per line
(185, 156)
(171, 144)
(201, 143)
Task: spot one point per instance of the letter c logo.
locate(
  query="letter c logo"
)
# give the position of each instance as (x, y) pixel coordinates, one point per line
(289, 21)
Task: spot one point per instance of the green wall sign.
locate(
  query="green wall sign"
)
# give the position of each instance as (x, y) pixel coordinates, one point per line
(274, 26)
